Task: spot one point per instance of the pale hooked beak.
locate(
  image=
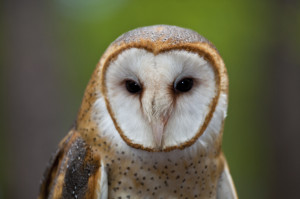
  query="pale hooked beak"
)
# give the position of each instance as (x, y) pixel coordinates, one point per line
(158, 127)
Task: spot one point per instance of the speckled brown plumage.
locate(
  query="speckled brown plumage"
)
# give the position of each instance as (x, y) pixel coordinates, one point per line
(76, 169)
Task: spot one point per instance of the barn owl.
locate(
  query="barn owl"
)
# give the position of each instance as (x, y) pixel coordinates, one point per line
(150, 124)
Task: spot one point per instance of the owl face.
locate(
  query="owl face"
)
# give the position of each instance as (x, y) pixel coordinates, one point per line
(161, 92)
(160, 101)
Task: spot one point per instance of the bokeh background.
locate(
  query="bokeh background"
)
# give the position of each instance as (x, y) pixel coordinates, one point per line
(50, 48)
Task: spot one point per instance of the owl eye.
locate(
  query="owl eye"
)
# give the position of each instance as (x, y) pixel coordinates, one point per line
(184, 85)
(132, 86)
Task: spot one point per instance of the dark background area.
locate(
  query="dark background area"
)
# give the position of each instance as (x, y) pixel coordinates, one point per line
(49, 49)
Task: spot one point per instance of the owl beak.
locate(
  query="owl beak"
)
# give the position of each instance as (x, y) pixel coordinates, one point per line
(158, 130)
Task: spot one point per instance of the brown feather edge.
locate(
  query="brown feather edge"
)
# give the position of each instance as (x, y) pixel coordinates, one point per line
(48, 181)
(53, 181)
(202, 48)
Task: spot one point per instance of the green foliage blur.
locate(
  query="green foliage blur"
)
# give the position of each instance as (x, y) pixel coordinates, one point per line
(239, 29)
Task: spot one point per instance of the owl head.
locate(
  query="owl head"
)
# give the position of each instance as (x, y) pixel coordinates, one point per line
(161, 86)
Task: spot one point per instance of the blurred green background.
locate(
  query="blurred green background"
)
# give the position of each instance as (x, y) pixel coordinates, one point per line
(50, 48)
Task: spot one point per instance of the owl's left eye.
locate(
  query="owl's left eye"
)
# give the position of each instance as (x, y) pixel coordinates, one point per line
(184, 85)
(132, 86)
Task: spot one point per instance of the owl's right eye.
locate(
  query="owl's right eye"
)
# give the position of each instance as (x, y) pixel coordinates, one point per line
(132, 86)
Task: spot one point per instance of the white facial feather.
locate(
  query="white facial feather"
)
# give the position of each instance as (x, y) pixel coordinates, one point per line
(205, 141)
(157, 74)
(191, 108)
(126, 106)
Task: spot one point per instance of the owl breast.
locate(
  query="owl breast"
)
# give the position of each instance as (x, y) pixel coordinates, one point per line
(133, 173)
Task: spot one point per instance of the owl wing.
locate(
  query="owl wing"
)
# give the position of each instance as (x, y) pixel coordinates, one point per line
(226, 188)
(74, 171)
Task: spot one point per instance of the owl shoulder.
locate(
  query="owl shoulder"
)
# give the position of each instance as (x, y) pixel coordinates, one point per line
(74, 170)
(226, 188)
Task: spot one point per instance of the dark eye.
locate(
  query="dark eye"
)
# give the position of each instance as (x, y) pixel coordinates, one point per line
(184, 85)
(132, 86)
